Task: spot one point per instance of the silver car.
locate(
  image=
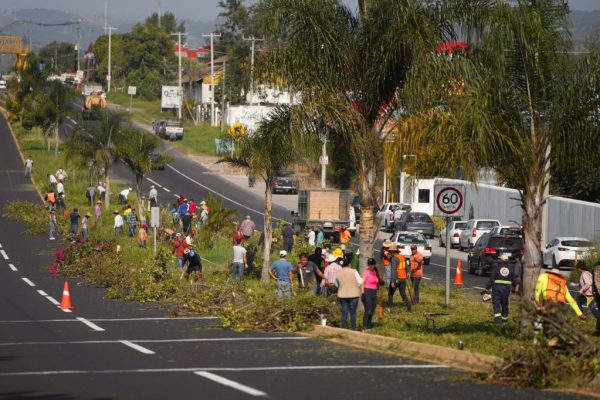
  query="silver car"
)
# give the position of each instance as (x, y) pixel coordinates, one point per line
(456, 227)
(474, 230)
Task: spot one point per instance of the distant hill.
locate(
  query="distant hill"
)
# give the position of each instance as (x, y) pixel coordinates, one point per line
(584, 23)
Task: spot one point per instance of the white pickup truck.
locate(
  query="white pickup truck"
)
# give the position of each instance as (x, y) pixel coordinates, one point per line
(171, 130)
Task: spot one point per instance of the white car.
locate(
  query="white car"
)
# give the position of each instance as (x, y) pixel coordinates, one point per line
(562, 251)
(456, 227)
(473, 231)
(387, 214)
(406, 239)
(508, 230)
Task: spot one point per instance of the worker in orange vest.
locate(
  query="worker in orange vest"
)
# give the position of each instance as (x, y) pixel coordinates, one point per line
(399, 276)
(551, 287)
(416, 271)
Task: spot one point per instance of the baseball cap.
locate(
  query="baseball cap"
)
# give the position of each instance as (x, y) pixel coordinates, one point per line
(282, 253)
(413, 247)
(371, 261)
(178, 234)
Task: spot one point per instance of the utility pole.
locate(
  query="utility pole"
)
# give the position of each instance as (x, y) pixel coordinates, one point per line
(223, 99)
(78, 44)
(212, 76)
(105, 17)
(178, 34)
(108, 76)
(159, 16)
(253, 40)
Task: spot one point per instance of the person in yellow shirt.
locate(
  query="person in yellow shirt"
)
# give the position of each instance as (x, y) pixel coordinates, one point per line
(551, 287)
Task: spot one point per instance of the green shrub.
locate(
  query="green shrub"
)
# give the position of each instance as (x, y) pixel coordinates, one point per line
(34, 216)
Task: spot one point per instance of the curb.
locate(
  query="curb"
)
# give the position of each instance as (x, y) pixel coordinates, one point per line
(459, 359)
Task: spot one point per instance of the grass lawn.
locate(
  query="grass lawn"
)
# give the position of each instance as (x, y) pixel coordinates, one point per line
(197, 140)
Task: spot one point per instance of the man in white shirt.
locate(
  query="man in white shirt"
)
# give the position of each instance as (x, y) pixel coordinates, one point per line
(311, 236)
(240, 262)
(123, 195)
(119, 222)
(153, 196)
(101, 190)
(61, 175)
(28, 166)
(60, 188)
(53, 181)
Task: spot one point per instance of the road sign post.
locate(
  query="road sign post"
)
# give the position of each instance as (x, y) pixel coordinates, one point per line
(131, 91)
(155, 222)
(449, 202)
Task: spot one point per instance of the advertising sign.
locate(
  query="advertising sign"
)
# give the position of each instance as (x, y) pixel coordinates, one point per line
(170, 97)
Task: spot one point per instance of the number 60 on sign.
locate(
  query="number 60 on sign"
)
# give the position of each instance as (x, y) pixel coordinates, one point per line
(449, 200)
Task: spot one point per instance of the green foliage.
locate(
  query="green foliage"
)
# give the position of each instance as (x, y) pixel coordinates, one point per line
(34, 216)
(154, 280)
(220, 223)
(59, 56)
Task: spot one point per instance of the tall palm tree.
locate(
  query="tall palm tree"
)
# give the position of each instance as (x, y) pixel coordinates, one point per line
(349, 70)
(506, 104)
(137, 149)
(98, 142)
(264, 153)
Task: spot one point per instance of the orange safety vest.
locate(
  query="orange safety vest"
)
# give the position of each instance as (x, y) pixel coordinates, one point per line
(51, 198)
(556, 290)
(401, 268)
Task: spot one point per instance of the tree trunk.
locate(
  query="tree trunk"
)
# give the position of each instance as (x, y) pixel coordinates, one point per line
(268, 233)
(56, 139)
(138, 195)
(532, 230)
(366, 192)
(107, 193)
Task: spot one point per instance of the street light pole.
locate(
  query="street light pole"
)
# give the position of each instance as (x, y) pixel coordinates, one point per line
(178, 34)
(109, 77)
(212, 76)
(253, 40)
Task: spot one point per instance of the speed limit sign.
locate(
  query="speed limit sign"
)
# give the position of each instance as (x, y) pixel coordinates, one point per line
(449, 201)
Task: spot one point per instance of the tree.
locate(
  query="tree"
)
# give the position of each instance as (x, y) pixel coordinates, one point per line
(266, 151)
(97, 142)
(349, 69)
(58, 104)
(168, 22)
(511, 104)
(139, 151)
(59, 56)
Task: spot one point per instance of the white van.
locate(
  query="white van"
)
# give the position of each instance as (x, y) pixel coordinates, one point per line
(473, 231)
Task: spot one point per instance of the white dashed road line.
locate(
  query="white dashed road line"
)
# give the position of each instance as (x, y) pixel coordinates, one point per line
(4, 254)
(90, 324)
(13, 267)
(42, 293)
(166, 190)
(137, 347)
(154, 182)
(27, 281)
(229, 383)
(55, 302)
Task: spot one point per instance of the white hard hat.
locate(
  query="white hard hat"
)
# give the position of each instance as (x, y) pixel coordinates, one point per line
(282, 253)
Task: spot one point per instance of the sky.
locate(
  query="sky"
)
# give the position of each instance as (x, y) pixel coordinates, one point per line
(200, 10)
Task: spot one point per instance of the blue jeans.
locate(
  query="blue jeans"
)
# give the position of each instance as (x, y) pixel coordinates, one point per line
(74, 228)
(132, 229)
(237, 271)
(370, 301)
(349, 306)
(52, 230)
(416, 282)
(84, 234)
(283, 288)
(595, 310)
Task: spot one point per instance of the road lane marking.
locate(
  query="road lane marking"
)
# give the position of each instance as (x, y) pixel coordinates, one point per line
(225, 369)
(137, 347)
(155, 183)
(56, 303)
(13, 267)
(4, 254)
(166, 190)
(27, 281)
(153, 341)
(229, 383)
(90, 324)
(479, 288)
(42, 293)
(107, 319)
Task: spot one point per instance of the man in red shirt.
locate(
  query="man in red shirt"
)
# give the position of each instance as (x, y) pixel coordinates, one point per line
(178, 247)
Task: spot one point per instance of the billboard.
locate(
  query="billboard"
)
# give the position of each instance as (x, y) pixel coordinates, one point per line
(249, 116)
(11, 45)
(170, 97)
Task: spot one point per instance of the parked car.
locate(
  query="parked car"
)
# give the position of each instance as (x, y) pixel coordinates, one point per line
(417, 222)
(456, 227)
(168, 129)
(387, 212)
(284, 182)
(507, 230)
(406, 239)
(488, 249)
(473, 231)
(562, 251)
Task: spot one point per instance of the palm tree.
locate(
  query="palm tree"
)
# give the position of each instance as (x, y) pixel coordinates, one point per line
(61, 99)
(263, 153)
(505, 104)
(349, 70)
(98, 142)
(139, 151)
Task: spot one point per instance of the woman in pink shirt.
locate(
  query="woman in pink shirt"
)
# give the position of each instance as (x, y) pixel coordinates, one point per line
(370, 285)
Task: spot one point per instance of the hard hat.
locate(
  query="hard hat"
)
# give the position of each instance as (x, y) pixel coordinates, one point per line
(338, 253)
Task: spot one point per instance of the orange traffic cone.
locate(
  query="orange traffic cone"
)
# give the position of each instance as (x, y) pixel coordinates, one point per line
(458, 279)
(65, 304)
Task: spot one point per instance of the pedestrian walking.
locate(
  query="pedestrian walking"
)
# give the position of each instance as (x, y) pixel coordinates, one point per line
(84, 226)
(551, 287)
(307, 272)
(98, 209)
(74, 217)
(398, 278)
(371, 283)
(132, 222)
(153, 196)
(311, 238)
(52, 181)
(90, 193)
(101, 188)
(345, 236)
(349, 284)
(334, 259)
(317, 259)
(143, 236)
(416, 271)
(503, 280)
(183, 208)
(247, 226)
(240, 262)
(191, 260)
(595, 305)
(320, 237)
(238, 236)
(178, 247)
(288, 238)
(281, 272)
(28, 166)
(61, 175)
(186, 222)
(192, 206)
(119, 222)
(50, 200)
(60, 188)
(52, 221)
(586, 281)
(123, 195)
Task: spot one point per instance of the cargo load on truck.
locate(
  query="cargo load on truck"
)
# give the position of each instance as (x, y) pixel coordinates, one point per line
(329, 209)
(94, 99)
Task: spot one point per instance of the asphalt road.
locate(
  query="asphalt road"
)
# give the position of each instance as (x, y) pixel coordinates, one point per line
(123, 350)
